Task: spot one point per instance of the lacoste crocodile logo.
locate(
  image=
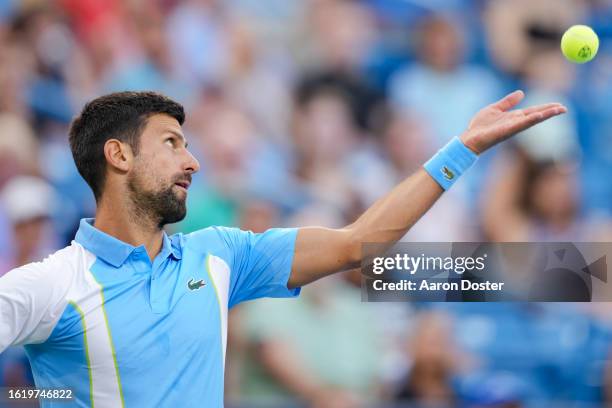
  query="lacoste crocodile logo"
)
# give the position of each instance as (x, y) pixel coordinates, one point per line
(195, 285)
(449, 175)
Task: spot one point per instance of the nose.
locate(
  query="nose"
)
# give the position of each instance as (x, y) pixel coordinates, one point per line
(191, 163)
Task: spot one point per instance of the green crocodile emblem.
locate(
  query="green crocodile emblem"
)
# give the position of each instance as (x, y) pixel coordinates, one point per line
(449, 175)
(195, 285)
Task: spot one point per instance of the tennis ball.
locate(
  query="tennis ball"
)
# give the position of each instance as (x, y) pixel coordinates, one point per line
(579, 44)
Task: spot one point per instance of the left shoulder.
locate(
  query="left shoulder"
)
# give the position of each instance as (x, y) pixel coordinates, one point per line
(211, 240)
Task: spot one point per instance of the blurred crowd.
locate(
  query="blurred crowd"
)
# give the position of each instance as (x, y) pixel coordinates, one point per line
(304, 112)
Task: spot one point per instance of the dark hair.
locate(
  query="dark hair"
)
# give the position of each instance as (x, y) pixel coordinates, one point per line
(122, 116)
(362, 100)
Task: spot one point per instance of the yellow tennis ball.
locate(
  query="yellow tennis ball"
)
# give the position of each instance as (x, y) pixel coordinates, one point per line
(579, 44)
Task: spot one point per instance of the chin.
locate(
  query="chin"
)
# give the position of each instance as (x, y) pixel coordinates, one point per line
(173, 217)
(175, 212)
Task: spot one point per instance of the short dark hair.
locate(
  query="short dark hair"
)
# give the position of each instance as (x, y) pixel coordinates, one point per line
(120, 115)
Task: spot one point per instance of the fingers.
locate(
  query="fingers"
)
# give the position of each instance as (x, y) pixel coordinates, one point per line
(540, 108)
(511, 123)
(509, 101)
(547, 113)
(539, 116)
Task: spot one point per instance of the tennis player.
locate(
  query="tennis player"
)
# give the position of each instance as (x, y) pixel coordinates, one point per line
(129, 316)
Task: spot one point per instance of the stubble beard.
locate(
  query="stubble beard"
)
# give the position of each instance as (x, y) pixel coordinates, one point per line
(158, 208)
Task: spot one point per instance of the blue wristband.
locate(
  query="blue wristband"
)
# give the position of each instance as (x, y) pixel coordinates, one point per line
(450, 163)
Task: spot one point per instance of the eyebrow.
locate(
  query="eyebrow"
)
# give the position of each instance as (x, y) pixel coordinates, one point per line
(179, 135)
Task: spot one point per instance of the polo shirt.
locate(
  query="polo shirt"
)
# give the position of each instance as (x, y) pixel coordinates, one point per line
(100, 318)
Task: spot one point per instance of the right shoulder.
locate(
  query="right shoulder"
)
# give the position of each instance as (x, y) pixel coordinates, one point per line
(59, 269)
(34, 296)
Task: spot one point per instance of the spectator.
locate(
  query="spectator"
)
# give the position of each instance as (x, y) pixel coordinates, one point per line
(441, 86)
(29, 204)
(18, 148)
(536, 201)
(435, 361)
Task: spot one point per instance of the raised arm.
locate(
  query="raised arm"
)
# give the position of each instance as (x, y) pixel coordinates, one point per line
(323, 251)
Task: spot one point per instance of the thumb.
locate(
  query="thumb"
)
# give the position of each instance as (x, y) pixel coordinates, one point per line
(509, 101)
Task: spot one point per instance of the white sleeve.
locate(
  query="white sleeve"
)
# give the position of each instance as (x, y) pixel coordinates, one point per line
(31, 303)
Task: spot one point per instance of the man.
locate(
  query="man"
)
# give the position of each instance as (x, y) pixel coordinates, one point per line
(128, 316)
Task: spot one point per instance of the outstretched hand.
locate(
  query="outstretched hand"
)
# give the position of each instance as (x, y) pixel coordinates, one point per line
(497, 122)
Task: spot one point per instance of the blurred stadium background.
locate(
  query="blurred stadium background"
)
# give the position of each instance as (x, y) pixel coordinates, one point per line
(304, 112)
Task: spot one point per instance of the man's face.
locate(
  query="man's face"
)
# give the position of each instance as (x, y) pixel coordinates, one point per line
(162, 170)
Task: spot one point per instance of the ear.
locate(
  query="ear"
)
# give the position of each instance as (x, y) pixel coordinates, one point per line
(118, 155)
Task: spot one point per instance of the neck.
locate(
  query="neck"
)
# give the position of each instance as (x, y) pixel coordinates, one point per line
(129, 225)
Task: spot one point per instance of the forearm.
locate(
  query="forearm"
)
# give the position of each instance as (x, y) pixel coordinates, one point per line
(323, 251)
(393, 215)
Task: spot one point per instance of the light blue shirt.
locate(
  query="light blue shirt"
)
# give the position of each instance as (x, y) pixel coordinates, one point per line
(100, 318)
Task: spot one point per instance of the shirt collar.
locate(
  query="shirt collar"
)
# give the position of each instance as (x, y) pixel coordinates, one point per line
(114, 251)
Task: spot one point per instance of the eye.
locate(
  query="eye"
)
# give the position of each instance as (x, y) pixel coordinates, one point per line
(171, 141)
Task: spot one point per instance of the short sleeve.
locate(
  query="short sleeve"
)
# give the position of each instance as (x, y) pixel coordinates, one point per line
(30, 305)
(260, 263)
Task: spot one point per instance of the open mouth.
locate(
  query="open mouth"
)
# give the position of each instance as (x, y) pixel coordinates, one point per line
(183, 184)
